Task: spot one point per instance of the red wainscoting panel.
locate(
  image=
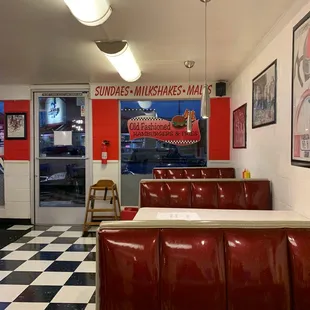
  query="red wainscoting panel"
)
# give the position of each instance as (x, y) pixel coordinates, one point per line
(18, 149)
(219, 129)
(106, 127)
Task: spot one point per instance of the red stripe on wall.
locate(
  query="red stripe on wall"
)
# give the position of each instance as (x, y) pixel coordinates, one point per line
(219, 129)
(18, 149)
(105, 114)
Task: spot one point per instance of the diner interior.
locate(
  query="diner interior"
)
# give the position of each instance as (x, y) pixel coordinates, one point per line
(154, 155)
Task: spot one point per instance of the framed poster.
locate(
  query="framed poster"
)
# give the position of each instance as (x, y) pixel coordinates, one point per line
(15, 126)
(239, 127)
(264, 97)
(300, 116)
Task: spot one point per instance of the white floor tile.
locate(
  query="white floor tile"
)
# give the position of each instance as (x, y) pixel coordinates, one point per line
(71, 234)
(34, 265)
(74, 294)
(3, 274)
(87, 240)
(42, 240)
(59, 228)
(72, 256)
(20, 255)
(27, 306)
(56, 248)
(20, 227)
(91, 307)
(8, 293)
(94, 249)
(12, 247)
(87, 267)
(52, 278)
(34, 233)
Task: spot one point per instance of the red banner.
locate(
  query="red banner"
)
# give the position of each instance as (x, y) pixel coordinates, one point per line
(174, 132)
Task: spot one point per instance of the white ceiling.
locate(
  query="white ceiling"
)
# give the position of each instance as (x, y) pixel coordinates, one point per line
(42, 43)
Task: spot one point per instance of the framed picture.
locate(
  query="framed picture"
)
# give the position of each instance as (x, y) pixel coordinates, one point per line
(264, 97)
(239, 127)
(15, 126)
(300, 104)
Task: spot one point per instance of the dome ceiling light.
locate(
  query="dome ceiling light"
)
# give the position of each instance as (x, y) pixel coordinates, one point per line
(90, 12)
(120, 56)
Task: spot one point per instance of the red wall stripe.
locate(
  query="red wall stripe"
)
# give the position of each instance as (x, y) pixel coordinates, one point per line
(105, 113)
(17, 149)
(219, 129)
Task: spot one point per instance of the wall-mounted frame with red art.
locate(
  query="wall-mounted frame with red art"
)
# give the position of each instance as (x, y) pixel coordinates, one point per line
(239, 127)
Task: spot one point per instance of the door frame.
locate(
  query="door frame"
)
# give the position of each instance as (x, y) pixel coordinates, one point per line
(85, 88)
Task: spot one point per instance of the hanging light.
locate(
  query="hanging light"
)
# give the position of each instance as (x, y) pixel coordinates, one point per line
(189, 123)
(205, 103)
(90, 12)
(205, 110)
(189, 64)
(120, 56)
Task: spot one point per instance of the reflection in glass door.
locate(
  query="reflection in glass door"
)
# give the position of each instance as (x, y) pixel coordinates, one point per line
(60, 158)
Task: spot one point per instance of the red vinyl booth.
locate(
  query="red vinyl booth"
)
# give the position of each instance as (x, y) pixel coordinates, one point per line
(194, 173)
(203, 268)
(206, 194)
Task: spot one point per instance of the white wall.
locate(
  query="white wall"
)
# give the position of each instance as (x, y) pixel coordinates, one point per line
(268, 148)
(16, 190)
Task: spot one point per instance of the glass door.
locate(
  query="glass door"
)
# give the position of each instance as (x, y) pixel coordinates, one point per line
(61, 157)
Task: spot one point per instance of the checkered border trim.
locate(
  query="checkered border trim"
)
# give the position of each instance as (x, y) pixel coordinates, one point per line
(180, 142)
(146, 118)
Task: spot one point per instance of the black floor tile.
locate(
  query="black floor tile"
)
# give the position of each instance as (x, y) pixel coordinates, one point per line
(20, 277)
(46, 256)
(32, 247)
(4, 305)
(76, 228)
(93, 299)
(81, 248)
(38, 294)
(41, 227)
(89, 234)
(4, 253)
(65, 240)
(91, 257)
(24, 239)
(51, 234)
(82, 279)
(66, 307)
(10, 265)
(10, 236)
(63, 266)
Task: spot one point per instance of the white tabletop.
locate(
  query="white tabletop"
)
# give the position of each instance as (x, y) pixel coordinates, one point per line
(218, 215)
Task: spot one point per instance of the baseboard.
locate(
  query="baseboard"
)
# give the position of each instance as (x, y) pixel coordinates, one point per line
(15, 221)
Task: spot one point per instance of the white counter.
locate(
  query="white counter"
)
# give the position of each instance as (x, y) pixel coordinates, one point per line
(218, 215)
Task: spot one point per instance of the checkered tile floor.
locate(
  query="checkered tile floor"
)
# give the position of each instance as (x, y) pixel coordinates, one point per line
(48, 268)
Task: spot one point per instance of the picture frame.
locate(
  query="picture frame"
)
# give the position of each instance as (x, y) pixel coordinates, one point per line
(300, 97)
(240, 127)
(15, 126)
(264, 97)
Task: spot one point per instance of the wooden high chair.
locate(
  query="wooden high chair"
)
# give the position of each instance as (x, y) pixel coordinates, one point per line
(102, 186)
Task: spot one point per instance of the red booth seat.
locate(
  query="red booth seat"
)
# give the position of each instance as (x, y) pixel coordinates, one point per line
(206, 194)
(194, 173)
(128, 213)
(203, 268)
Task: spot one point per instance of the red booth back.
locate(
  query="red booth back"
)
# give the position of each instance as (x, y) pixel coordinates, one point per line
(201, 268)
(194, 173)
(206, 194)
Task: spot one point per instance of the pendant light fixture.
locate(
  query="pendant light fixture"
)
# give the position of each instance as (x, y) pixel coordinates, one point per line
(205, 110)
(120, 56)
(90, 12)
(189, 64)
